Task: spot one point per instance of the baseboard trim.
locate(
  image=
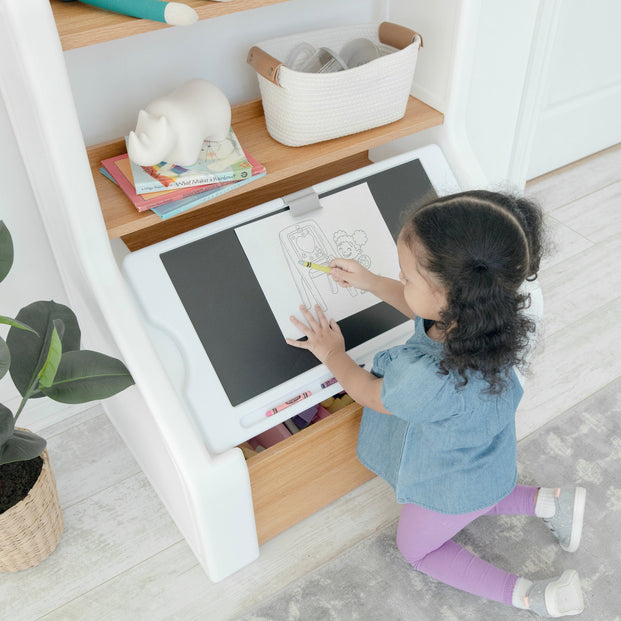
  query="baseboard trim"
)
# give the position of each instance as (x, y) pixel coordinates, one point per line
(41, 413)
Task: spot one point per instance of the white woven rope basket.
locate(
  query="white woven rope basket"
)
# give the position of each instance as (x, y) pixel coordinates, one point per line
(303, 108)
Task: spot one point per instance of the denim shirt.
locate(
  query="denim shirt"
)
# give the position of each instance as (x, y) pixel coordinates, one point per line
(451, 450)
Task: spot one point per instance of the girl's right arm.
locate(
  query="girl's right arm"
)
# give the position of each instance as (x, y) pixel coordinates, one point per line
(349, 273)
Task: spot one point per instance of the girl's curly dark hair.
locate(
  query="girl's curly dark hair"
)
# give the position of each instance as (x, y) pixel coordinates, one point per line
(481, 246)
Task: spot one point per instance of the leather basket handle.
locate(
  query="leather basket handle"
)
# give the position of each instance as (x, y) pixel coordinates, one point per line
(397, 36)
(390, 34)
(264, 64)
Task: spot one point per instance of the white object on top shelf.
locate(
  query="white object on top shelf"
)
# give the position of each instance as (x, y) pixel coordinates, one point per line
(173, 128)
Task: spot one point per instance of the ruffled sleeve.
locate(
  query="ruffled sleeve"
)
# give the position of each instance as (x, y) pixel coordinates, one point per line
(412, 388)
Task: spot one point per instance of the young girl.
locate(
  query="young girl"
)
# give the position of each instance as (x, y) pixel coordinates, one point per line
(439, 411)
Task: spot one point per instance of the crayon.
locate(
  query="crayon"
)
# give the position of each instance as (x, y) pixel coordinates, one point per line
(316, 266)
(286, 404)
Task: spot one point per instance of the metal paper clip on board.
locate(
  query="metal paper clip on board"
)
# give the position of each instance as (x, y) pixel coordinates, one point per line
(302, 202)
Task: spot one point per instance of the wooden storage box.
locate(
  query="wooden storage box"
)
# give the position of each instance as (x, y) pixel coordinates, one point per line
(306, 472)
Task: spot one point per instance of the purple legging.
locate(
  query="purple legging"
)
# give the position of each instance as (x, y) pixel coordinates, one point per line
(424, 539)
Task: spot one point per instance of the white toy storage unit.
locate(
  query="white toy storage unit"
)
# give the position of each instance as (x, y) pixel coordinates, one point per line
(52, 82)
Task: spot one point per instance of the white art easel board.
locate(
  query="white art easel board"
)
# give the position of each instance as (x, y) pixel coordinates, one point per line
(216, 300)
(349, 225)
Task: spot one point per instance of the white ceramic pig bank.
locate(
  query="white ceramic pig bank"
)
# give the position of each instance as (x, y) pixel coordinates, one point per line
(173, 128)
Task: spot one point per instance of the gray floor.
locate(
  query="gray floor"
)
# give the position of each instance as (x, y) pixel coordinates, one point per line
(122, 558)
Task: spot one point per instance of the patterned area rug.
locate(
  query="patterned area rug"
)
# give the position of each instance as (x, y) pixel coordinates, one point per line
(371, 582)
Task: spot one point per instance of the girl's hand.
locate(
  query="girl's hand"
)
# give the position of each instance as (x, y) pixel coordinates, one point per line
(324, 337)
(349, 273)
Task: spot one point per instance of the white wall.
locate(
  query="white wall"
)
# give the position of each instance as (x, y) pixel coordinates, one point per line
(34, 275)
(436, 20)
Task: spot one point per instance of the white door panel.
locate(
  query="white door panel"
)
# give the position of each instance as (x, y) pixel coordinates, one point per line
(580, 112)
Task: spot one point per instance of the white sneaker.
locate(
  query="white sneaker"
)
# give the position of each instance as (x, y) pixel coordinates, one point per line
(566, 523)
(556, 597)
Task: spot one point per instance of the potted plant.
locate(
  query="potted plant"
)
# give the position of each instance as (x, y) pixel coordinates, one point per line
(42, 355)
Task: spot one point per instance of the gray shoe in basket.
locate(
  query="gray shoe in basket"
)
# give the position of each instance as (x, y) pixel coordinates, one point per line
(566, 524)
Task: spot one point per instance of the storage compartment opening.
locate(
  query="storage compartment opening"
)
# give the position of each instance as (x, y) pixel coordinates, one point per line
(306, 472)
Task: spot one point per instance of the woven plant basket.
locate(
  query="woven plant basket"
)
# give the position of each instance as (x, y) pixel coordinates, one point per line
(31, 529)
(304, 108)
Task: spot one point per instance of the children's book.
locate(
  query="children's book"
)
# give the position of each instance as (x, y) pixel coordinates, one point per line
(119, 170)
(217, 162)
(173, 209)
(183, 204)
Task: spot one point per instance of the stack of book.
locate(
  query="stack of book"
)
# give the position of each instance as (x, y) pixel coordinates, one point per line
(169, 189)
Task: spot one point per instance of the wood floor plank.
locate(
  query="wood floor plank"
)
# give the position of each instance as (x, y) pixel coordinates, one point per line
(579, 285)
(574, 363)
(576, 180)
(151, 589)
(597, 216)
(563, 242)
(89, 457)
(85, 413)
(104, 536)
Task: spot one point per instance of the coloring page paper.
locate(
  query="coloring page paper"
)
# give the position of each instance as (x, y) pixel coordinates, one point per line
(348, 225)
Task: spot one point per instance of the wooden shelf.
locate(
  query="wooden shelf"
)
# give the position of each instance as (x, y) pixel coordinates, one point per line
(288, 169)
(80, 25)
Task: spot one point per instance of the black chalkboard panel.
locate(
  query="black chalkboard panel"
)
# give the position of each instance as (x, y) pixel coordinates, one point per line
(231, 316)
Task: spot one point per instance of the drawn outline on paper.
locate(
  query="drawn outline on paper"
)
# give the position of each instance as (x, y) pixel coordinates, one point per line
(306, 241)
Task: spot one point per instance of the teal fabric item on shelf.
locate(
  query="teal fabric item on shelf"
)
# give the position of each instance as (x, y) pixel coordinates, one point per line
(178, 14)
(145, 9)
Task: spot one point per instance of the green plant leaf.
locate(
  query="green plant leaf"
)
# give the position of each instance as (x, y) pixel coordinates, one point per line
(6, 251)
(48, 371)
(29, 351)
(23, 446)
(88, 376)
(7, 424)
(32, 389)
(5, 358)
(17, 444)
(15, 324)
